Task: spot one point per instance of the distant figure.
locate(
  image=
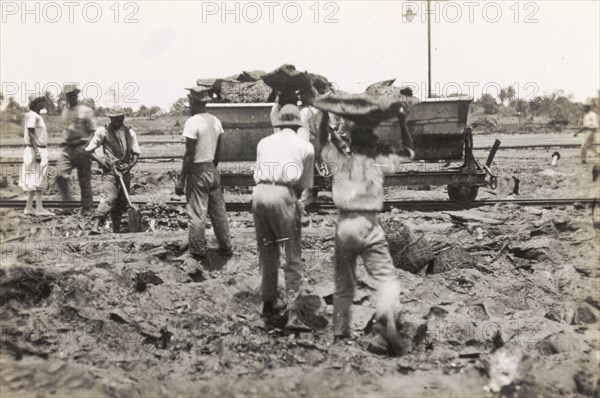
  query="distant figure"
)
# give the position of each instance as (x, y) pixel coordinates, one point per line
(78, 130)
(34, 172)
(590, 123)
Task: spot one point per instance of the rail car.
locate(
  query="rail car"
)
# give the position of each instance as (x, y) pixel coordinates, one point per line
(440, 134)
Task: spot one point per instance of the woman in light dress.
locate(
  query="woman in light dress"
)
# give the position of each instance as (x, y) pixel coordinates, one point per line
(34, 172)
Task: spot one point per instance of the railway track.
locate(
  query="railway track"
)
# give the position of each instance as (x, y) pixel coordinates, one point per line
(177, 157)
(422, 205)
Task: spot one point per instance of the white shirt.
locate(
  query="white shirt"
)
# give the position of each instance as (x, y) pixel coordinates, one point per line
(590, 120)
(357, 183)
(35, 121)
(100, 137)
(206, 129)
(285, 158)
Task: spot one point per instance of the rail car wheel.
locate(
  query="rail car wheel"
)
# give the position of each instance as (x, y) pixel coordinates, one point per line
(462, 194)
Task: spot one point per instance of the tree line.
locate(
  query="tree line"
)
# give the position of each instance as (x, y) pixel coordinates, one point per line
(556, 105)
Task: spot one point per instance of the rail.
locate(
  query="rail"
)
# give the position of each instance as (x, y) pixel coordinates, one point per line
(422, 205)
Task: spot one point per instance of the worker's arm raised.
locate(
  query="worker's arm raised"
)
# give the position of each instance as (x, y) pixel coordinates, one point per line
(323, 133)
(407, 139)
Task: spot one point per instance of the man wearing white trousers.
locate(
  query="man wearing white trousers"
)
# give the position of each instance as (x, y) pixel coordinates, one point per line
(357, 191)
(284, 169)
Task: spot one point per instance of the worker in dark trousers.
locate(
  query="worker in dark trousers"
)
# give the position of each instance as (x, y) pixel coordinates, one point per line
(200, 179)
(78, 130)
(121, 152)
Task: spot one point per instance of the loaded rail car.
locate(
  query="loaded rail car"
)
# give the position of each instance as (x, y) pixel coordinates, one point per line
(440, 134)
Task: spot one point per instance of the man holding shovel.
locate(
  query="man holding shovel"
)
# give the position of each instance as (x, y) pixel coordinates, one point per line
(121, 152)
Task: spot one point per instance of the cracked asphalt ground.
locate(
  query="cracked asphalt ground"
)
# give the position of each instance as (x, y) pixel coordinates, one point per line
(514, 310)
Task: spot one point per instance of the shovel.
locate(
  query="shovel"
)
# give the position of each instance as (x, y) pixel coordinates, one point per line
(134, 218)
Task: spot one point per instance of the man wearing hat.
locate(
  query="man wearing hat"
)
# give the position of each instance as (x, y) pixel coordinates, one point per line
(200, 179)
(78, 130)
(121, 151)
(284, 169)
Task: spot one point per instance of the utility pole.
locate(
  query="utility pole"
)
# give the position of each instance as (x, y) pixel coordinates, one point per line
(429, 48)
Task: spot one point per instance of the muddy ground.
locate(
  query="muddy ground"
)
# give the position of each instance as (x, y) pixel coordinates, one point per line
(513, 307)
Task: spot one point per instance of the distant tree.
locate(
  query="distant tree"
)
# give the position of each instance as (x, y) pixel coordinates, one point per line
(178, 108)
(51, 103)
(142, 111)
(510, 94)
(1, 96)
(153, 110)
(13, 106)
(489, 104)
(502, 96)
(535, 106)
(61, 102)
(128, 110)
(561, 108)
(14, 111)
(521, 106)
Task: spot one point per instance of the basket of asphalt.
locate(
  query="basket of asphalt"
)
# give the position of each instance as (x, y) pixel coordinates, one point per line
(286, 79)
(363, 109)
(410, 251)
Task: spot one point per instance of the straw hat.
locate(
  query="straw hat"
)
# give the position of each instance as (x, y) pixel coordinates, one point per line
(289, 116)
(115, 111)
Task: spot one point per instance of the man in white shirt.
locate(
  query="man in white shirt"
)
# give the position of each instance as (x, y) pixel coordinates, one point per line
(357, 191)
(200, 178)
(590, 123)
(284, 169)
(121, 151)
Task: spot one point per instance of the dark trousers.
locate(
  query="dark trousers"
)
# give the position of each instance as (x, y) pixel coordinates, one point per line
(112, 198)
(205, 196)
(75, 157)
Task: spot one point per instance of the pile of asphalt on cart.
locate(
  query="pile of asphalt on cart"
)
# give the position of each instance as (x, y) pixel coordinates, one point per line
(261, 87)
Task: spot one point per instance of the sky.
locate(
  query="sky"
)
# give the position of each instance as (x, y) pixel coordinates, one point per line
(147, 52)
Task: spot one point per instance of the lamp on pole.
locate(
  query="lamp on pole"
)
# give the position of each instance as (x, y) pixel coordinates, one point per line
(410, 16)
